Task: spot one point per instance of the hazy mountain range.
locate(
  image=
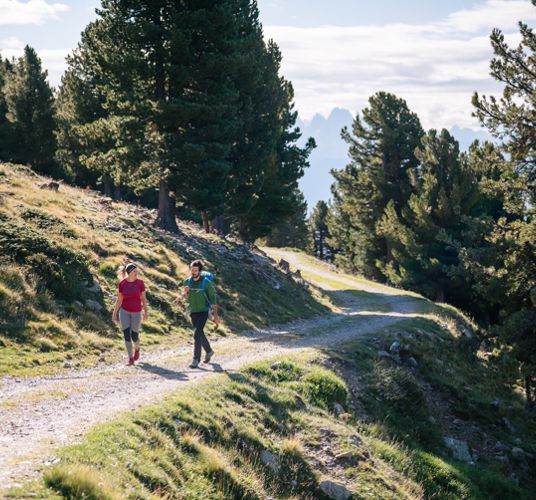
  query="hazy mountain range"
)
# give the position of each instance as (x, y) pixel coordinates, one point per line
(331, 150)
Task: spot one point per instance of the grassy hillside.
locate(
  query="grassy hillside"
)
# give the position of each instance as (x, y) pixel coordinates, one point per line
(377, 416)
(59, 255)
(274, 430)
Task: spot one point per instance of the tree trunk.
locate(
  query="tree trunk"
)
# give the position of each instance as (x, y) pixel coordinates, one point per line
(108, 186)
(220, 225)
(206, 224)
(118, 195)
(166, 209)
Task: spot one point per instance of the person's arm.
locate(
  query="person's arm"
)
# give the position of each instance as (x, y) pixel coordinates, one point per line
(211, 293)
(144, 305)
(118, 304)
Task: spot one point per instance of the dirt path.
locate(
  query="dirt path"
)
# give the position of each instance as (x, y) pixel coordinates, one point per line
(39, 415)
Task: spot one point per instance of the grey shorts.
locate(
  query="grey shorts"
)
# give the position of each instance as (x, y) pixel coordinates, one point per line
(130, 320)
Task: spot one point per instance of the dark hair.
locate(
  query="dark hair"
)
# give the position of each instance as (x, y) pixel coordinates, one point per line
(197, 263)
(125, 270)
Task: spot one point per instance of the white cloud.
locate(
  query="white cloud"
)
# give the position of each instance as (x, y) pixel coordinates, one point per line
(436, 66)
(31, 12)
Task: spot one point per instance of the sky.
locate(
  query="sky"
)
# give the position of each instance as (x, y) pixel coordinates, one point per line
(337, 53)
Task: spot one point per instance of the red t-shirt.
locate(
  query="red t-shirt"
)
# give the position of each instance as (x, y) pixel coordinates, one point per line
(131, 294)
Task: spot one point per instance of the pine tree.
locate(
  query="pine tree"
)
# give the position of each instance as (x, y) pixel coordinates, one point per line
(30, 113)
(427, 234)
(511, 118)
(291, 232)
(267, 162)
(318, 223)
(4, 124)
(79, 109)
(381, 148)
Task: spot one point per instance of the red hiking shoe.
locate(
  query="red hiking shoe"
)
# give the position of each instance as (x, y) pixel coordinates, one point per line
(130, 362)
(136, 355)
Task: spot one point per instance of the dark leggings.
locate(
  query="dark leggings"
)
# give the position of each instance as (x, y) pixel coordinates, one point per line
(131, 336)
(199, 320)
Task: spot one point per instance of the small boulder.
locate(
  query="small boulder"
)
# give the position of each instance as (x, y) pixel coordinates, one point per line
(95, 288)
(336, 491)
(518, 454)
(284, 265)
(508, 425)
(93, 305)
(412, 362)
(385, 354)
(395, 348)
(270, 460)
(459, 449)
(346, 456)
(338, 409)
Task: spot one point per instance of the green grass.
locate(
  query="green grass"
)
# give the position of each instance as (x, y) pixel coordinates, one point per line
(53, 246)
(206, 441)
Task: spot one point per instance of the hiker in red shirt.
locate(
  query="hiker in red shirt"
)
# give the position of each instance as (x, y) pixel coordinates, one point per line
(130, 301)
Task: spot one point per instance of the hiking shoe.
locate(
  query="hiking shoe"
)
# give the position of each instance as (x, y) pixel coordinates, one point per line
(136, 355)
(130, 362)
(194, 364)
(208, 356)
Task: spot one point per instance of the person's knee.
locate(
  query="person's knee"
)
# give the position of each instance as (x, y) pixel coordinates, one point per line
(127, 334)
(135, 336)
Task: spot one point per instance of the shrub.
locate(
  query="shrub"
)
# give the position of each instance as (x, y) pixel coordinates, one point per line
(46, 221)
(324, 388)
(59, 269)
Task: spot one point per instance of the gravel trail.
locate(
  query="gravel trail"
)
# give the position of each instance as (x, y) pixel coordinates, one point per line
(38, 415)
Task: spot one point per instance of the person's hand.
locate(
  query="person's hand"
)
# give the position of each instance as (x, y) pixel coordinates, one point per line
(145, 316)
(217, 320)
(114, 317)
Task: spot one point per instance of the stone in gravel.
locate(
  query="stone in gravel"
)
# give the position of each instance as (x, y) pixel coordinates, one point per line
(460, 449)
(503, 459)
(335, 491)
(93, 305)
(270, 460)
(67, 364)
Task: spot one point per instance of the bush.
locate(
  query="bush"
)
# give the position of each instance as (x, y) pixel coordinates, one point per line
(324, 388)
(280, 371)
(59, 269)
(46, 221)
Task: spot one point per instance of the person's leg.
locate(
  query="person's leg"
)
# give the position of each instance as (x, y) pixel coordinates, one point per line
(124, 319)
(204, 341)
(135, 325)
(199, 320)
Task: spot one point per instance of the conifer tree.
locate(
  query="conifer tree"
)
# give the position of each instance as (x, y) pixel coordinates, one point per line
(30, 112)
(318, 223)
(381, 147)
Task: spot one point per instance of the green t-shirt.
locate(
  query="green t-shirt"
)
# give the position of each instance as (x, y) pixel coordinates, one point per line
(196, 298)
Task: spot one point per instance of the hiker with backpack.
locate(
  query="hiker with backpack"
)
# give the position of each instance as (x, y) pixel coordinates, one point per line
(201, 296)
(130, 302)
